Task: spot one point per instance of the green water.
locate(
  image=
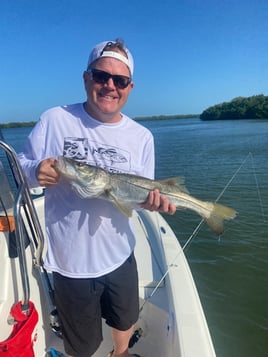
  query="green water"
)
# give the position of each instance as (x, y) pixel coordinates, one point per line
(230, 159)
(231, 271)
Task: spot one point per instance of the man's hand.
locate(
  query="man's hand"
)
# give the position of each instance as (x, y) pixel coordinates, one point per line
(158, 202)
(46, 174)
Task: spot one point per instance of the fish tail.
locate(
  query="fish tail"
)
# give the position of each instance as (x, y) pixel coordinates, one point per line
(217, 217)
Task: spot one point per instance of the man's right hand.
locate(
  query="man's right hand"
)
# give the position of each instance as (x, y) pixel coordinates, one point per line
(46, 174)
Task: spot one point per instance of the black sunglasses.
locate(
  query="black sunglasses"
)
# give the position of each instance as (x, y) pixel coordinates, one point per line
(102, 77)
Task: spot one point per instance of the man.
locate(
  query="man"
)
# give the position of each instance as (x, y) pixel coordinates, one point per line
(90, 243)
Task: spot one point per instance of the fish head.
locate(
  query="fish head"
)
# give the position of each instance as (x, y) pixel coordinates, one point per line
(75, 170)
(87, 180)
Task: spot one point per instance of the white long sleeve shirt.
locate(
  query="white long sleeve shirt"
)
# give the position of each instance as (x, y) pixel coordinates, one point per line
(86, 237)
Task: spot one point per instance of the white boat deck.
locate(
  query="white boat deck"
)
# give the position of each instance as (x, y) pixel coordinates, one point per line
(172, 318)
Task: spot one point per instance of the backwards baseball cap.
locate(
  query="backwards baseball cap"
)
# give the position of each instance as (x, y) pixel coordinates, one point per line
(99, 52)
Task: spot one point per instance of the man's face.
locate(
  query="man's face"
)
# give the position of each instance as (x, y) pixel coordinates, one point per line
(105, 100)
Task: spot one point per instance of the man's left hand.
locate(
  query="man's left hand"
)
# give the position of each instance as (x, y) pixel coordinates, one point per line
(158, 202)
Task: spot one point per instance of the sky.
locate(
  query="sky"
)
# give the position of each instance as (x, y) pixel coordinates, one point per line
(189, 54)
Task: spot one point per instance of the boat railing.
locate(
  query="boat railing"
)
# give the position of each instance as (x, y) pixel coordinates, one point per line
(24, 202)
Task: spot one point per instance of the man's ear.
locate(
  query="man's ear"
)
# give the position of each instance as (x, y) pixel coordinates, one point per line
(85, 76)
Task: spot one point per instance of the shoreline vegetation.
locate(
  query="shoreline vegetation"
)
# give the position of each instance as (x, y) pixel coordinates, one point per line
(16, 124)
(154, 117)
(254, 107)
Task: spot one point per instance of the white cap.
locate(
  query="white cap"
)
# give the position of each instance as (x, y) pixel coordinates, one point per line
(98, 52)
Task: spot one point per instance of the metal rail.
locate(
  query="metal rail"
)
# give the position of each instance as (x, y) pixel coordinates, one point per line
(23, 200)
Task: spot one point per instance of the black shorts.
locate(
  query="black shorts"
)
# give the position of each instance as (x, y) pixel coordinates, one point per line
(82, 303)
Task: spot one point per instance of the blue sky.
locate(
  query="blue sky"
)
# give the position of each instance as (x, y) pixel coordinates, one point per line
(189, 54)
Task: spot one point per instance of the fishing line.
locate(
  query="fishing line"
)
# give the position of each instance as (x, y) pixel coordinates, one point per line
(171, 264)
(233, 177)
(257, 187)
(138, 332)
(222, 193)
(250, 155)
(196, 230)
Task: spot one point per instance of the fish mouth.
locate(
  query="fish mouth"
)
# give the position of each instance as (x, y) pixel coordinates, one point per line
(60, 164)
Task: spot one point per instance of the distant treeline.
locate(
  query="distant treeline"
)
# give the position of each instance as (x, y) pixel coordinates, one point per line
(156, 117)
(161, 117)
(255, 107)
(17, 124)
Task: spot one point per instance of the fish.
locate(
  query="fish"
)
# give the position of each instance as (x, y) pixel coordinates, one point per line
(126, 191)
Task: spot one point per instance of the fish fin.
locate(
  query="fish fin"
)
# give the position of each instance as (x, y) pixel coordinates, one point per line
(124, 207)
(175, 181)
(218, 215)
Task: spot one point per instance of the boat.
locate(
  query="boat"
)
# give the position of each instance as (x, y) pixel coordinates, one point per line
(171, 323)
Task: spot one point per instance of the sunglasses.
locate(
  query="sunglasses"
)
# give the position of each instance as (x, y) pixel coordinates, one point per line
(102, 77)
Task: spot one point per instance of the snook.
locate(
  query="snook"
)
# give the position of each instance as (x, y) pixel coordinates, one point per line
(126, 190)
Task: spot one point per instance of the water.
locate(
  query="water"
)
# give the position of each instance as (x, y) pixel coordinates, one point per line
(231, 271)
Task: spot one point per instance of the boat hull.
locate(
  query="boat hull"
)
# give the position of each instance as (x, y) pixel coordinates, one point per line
(171, 323)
